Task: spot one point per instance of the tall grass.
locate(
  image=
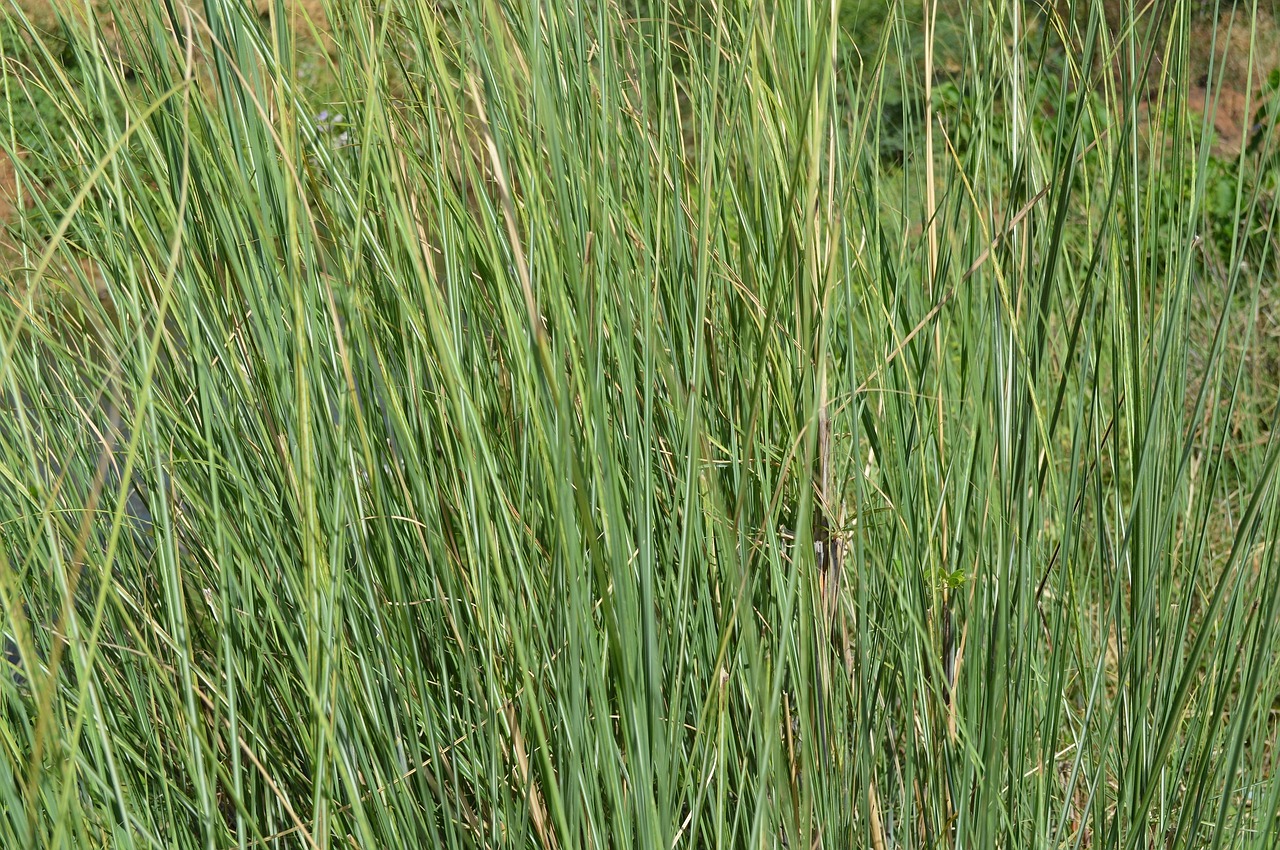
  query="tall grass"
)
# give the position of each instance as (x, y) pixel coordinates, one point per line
(605, 435)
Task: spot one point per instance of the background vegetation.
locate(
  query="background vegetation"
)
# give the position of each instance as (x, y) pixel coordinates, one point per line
(639, 424)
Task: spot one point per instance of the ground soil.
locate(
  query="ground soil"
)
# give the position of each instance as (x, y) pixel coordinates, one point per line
(1229, 71)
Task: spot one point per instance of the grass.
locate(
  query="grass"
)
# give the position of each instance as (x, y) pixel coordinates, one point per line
(630, 428)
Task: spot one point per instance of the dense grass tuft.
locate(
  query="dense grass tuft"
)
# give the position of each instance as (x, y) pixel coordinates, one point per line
(636, 424)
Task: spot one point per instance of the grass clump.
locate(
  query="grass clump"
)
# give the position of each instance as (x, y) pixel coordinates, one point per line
(611, 433)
